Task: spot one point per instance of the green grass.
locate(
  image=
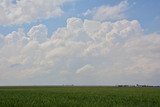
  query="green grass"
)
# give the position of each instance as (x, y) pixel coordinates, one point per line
(79, 97)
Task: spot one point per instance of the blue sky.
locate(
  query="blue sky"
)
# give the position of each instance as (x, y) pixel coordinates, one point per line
(146, 12)
(81, 42)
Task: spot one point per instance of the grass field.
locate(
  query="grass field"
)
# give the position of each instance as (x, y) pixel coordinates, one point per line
(73, 96)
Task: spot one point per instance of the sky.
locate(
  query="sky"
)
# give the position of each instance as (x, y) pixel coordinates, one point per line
(80, 42)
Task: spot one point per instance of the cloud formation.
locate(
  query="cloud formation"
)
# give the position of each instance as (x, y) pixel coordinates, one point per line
(23, 11)
(83, 52)
(108, 13)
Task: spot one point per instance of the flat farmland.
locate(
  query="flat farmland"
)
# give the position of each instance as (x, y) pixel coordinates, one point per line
(78, 96)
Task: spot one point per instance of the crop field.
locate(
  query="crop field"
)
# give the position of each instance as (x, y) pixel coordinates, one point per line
(74, 96)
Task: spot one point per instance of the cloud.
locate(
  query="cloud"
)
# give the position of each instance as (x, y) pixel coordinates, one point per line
(108, 13)
(38, 33)
(23, 11)
(83, 52)
(87, 69)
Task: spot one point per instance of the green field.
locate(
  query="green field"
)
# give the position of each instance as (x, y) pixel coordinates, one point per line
(72, 96)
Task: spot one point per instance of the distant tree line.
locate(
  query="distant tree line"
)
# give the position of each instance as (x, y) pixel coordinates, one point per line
(137, 85)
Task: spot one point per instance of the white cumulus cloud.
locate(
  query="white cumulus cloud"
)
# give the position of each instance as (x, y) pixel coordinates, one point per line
(82, 52)
(108, 13)
(23, 11)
